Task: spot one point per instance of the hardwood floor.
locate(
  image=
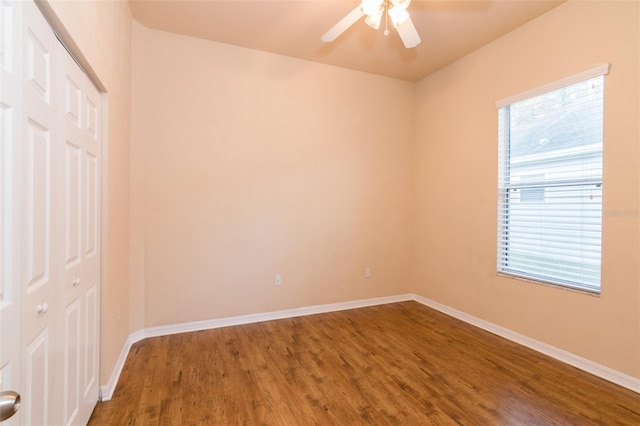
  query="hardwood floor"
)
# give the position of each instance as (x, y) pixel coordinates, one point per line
(401, 363)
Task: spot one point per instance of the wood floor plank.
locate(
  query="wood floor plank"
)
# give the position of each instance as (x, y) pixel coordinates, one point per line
(400, 363)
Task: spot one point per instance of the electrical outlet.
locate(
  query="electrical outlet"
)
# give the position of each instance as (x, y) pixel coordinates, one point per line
(367, 272)
(278, 280)
(118, 313)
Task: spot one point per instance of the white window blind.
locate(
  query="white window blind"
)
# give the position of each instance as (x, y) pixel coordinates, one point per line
(550, 184)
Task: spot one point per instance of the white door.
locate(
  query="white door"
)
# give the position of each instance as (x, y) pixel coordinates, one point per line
(10, 96)
(79, 186)
(39, 164)
(50, 222)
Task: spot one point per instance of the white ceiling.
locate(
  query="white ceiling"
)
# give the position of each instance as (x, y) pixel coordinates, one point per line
(449, 29)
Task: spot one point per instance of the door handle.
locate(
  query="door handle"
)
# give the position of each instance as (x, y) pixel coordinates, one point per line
(42, 309)
(9, 404)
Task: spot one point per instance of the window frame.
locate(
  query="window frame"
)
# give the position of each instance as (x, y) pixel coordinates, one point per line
(504, 184)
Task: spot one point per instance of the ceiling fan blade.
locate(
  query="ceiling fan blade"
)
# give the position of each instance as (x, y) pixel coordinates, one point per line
(408, 34)
(343, 24)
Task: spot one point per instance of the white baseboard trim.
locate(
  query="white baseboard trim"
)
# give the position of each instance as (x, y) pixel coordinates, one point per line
(584, 364)
(106, 391)
(186, 327)
(606, 373)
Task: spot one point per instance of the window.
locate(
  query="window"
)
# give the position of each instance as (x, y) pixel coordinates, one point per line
(550, 182)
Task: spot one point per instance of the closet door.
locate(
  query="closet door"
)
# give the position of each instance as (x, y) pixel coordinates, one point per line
(50, 222)
(70, 245)
(37, 198)
(90, 286)
(79, 185)
(10, 126)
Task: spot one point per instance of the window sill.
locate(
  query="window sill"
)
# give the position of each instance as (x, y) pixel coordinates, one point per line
(593, 293)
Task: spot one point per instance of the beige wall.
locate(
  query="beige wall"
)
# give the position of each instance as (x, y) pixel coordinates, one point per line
(256, 164)
(456, 175)
(99, 33)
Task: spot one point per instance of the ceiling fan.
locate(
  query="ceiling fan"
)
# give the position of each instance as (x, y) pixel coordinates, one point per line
(374, 10)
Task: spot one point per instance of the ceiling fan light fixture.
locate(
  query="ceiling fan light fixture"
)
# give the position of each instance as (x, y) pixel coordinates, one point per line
(373, 11)
(374, 21)
(398, 16)
(372, 8)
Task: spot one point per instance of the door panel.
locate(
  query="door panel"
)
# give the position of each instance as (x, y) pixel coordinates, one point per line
(81, 191)
(10, 106)
(38, 381)
(92, 204)
(91, 263)
(38, 62)
(72, 101)
(38, 217)
(72, 343)
(71, 185)
(90, 355)
(73, 205)
(40, 157)
(92, 114)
